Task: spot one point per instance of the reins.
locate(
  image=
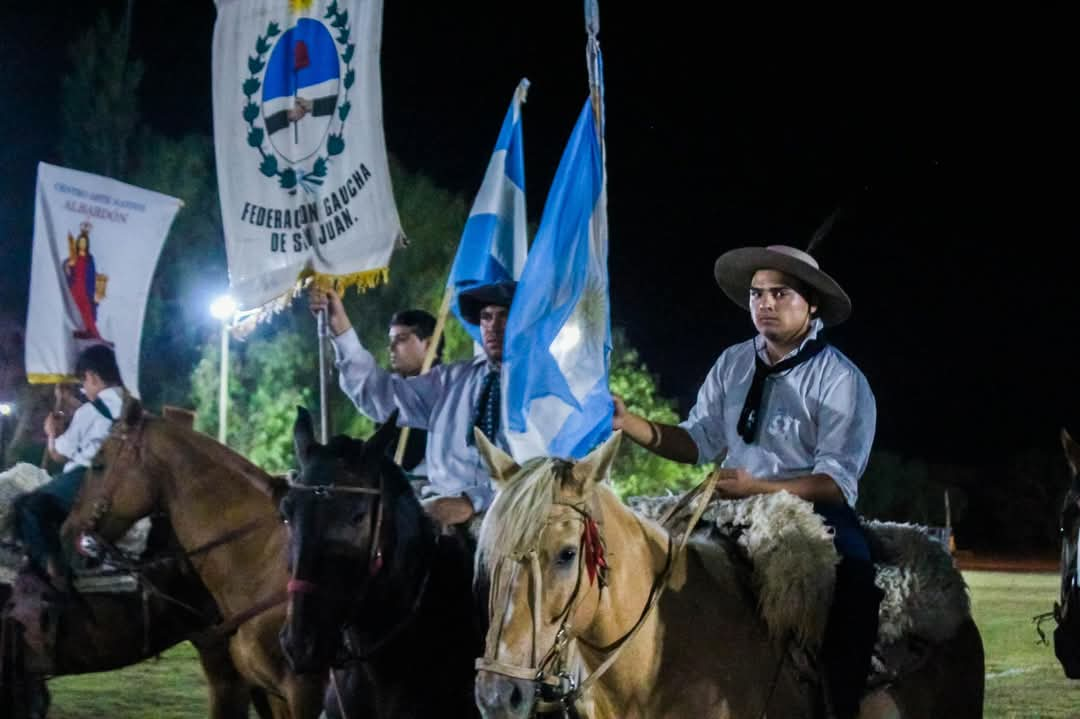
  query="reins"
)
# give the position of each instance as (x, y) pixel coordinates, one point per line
(103, 505)
(375, 563)
(557, 689)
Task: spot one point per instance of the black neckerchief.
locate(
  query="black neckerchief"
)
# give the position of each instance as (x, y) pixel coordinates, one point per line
(101, 407)
(748, 418)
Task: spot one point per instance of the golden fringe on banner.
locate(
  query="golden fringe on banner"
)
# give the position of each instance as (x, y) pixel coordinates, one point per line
(247, 321)
(35, 378)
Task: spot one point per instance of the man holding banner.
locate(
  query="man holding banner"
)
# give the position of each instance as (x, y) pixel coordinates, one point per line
(448, 401)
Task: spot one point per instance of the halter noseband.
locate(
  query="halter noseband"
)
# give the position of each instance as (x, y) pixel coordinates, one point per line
(327, 491)
(557, 690)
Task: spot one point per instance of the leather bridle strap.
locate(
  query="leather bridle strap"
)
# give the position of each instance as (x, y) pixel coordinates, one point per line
(566, 695)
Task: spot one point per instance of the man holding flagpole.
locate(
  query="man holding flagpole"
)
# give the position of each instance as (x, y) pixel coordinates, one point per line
(448, 401)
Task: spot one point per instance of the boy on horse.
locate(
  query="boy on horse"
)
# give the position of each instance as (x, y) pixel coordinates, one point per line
(39, 514)
(788, 411)
(448, 401)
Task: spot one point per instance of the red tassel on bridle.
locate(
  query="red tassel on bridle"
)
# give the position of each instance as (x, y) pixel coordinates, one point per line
(593, 549)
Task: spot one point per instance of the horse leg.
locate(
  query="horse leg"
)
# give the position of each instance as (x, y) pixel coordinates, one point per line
(304, 694)
(229, 692)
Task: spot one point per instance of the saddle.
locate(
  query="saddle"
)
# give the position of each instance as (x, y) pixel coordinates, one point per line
(789, 555)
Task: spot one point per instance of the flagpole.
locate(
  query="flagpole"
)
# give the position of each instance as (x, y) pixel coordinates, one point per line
(429, 359)
(593, 62)
(324, 412)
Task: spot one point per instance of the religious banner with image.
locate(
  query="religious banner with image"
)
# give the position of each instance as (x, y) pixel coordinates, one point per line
(302, 168)
(96, 244)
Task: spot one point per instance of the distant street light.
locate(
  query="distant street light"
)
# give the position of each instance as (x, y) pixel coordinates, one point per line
(6, 409)
(223, 309)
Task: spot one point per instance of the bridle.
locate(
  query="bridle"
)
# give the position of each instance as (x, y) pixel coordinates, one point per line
(556, 688)
(131, 443)
(328, 491)
(375, 564)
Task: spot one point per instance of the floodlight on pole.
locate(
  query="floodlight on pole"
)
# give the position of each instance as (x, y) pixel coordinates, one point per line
(223, 309)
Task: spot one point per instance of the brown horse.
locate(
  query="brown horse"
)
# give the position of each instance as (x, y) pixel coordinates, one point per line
(100, 632)
(222, 509)
(661, 633)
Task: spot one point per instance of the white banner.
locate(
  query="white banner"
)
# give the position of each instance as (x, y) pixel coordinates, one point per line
(96, 244)
(302, 169)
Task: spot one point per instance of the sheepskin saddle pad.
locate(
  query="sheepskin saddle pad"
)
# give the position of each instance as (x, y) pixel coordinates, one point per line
(25, 477)
(791, 556)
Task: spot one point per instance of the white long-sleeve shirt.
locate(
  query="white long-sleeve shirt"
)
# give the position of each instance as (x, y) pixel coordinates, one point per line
(88, 430)
(443, 402)
(816, 418)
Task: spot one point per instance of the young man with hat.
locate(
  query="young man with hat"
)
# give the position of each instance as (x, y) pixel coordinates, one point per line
(787, 411)
(448, 401)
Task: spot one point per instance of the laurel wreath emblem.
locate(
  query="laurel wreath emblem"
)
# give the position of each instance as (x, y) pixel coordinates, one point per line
(290, 178)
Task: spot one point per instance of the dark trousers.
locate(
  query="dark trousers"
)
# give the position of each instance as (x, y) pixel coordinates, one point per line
(39, 515)
(853, 618)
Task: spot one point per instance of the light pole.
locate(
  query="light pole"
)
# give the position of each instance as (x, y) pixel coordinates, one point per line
(7, 409)
(223, 309)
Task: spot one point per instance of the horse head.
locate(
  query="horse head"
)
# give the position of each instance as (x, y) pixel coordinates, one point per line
(116, 491)
(339, 535)
(543, 553)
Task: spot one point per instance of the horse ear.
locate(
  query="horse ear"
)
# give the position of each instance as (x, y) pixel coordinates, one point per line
(385, 435)
(1072, 450)
(501, 466)
(303, 435)
(596, 466)
(132, 411)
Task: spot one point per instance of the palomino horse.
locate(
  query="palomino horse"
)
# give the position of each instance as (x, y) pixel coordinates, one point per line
(1067, 610)
(375, 586)
(660, 633)
(100, 632)
(223, 513)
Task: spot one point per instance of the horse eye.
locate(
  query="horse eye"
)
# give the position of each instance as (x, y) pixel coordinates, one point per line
(566, 556)
(97, 467)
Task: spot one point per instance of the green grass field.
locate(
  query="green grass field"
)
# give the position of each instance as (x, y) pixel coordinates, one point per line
(1023, 677)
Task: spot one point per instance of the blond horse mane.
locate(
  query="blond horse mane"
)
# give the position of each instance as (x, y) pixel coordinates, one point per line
(520, 511)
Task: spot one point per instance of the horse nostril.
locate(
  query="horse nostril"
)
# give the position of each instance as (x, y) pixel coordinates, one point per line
(515, 697)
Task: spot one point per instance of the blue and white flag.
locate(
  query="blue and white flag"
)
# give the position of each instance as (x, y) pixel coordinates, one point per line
(494, 243)
(558, 337)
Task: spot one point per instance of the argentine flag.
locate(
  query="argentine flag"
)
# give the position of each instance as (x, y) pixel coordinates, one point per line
(558, 337)
(493, 244)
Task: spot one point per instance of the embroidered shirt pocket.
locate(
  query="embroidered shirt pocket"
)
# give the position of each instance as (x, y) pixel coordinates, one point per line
(782, 424)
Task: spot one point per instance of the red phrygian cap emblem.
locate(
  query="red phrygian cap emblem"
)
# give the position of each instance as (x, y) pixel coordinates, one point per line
(300, 55)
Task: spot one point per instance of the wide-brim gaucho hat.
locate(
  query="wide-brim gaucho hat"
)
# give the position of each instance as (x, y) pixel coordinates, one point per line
(735, 269)
(474, 299)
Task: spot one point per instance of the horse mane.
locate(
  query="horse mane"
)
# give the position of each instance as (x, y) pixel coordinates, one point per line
(215, 453)
(520, 511)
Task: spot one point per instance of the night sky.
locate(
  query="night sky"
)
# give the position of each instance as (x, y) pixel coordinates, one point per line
(949, 143)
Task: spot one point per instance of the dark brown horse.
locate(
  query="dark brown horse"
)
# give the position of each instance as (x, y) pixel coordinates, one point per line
(1067, 609)
(223, 511)
(104, 631)
(375, 586)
